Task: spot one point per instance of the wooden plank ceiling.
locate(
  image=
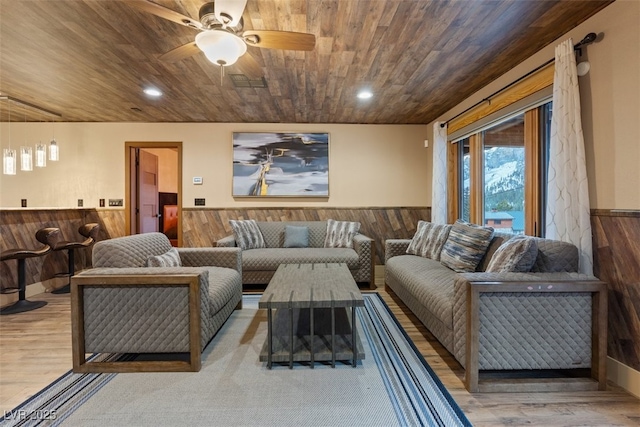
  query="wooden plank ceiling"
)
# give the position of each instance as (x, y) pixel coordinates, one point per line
(89, 60)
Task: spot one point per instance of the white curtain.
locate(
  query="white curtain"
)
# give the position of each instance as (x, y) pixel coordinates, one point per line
(439, 181)
(568, 215)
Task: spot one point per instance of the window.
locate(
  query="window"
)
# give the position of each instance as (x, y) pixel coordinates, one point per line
(501, 171)
(503, 174)
(465, 194)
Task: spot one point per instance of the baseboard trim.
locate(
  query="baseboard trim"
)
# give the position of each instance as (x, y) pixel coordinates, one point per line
(623, 376)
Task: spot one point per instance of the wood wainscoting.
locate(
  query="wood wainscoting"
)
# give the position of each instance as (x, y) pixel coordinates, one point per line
(202, 227)
(616, 256)
(205, 226)
(18, 230)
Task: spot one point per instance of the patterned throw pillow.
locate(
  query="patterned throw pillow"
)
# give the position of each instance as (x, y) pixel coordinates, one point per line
(296, 237)
(518, 254)
(247, 234)
(465, 246)
(340, 234)
(429, 239)
(171, 258)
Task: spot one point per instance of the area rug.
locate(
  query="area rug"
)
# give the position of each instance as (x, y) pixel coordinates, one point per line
(393, 385)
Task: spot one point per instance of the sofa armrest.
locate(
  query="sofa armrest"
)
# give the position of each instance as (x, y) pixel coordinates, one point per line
(529, 318)
(129, 310)
(395, 247)
(365, 247)
(212, 257)
(228, 241)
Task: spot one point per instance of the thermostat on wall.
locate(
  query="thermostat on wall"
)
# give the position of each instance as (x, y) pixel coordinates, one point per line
(197, 180)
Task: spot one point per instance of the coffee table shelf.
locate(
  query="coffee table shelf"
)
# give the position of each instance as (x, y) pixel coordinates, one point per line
(302, 344)
(315, 315)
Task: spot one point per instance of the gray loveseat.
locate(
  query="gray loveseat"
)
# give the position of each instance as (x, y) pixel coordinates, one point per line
(123, 306)
(551, 318)
(259, 265)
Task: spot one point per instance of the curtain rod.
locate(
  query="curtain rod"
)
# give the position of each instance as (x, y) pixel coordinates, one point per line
(28, 104)
(588, 39)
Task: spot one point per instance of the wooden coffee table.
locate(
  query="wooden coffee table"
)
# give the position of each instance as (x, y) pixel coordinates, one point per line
(312, 321)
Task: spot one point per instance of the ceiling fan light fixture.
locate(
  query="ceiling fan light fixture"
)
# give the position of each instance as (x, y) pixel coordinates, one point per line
(221, 47)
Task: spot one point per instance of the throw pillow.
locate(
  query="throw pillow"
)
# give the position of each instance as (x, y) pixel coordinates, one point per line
(340, 234)
(518, 254)
(465, 246)
(247, 234)
(429, 239)
(296, 237)
(171, 258)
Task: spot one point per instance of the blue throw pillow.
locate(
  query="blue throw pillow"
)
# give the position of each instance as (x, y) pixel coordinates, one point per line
(296, 237)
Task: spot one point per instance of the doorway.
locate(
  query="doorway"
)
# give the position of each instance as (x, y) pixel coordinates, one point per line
(153, 189)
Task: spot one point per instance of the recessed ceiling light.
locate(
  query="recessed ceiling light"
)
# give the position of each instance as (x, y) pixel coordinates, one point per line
(153, 92)
(365, 94)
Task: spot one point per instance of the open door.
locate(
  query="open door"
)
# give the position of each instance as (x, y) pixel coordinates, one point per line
(153, 173)
(148, 210)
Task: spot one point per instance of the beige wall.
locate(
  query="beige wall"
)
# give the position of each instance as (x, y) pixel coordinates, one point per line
(610, 101)
(369, 165)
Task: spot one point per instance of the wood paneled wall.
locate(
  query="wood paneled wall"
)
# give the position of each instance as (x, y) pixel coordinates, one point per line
(18, 230)
(616, 253)
(203, 227)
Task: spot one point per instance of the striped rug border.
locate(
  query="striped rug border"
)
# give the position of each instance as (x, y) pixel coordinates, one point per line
(419, 396)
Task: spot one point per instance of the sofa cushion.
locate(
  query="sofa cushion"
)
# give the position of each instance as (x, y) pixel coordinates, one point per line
(555, 256)
(427, 280)
(496, 241)
(247, 234)
(273, 232)
(223, 283)
(269, 259)
(340, 233)
(296, 237)
(465, 246)
(518, 254)
(429, 239)
(171, 258)
(129, 251)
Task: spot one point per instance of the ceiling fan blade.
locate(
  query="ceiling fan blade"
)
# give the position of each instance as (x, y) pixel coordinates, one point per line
(233, 8)
(279, 39)
(163, 12)
(181, 52)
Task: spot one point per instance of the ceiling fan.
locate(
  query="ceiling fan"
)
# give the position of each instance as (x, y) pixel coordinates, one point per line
(221, 37)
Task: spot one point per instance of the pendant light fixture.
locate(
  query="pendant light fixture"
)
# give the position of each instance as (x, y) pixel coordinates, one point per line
(26, 158)
(54, 152)
(41, 155)
(9, 161)
(26, 153)
(9, 157)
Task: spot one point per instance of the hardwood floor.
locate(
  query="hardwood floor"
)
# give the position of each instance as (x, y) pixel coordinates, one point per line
(35, 349)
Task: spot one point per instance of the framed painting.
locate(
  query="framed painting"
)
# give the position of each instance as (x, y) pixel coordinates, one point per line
(267, 164)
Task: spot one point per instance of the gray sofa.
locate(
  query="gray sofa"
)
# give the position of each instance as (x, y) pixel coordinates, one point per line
(259, 265)
(123, 306)
(549, 318)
